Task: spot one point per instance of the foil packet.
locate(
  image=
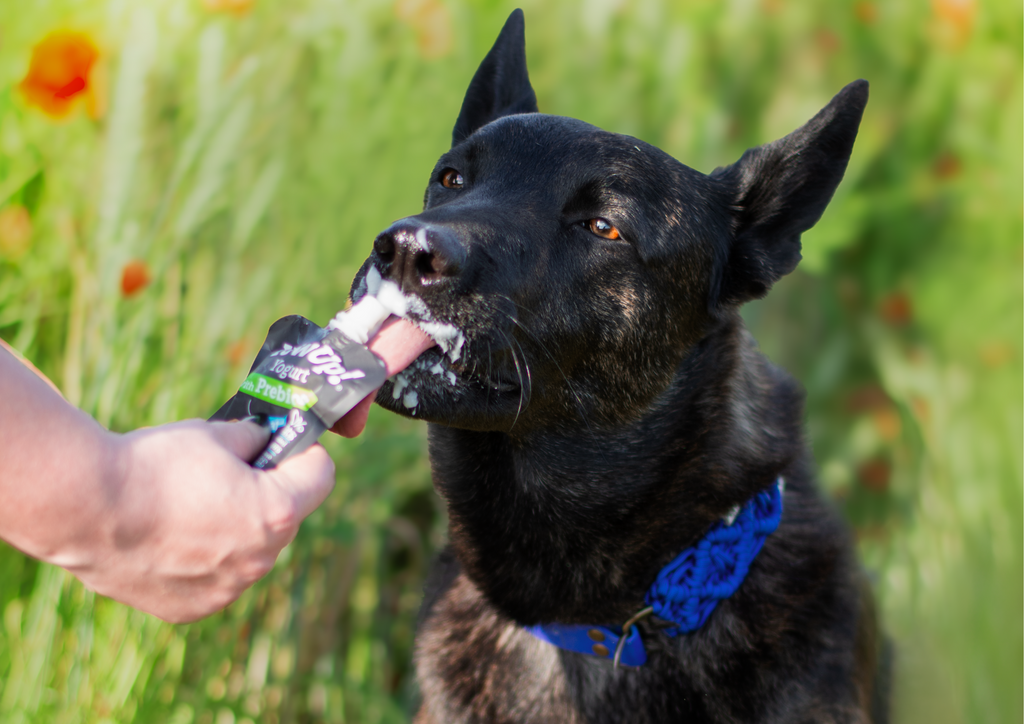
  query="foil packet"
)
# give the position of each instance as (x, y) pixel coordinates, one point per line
(303, 380)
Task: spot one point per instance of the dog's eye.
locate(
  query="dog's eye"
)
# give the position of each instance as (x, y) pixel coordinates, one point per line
(603, 228)
(452, 179)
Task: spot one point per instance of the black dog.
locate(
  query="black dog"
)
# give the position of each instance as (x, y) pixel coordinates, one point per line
(597, 407)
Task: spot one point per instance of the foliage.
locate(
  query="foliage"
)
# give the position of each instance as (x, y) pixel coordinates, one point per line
(232, 165)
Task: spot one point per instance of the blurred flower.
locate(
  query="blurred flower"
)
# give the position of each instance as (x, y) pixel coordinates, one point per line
(432, 23)
(954, 21)
(61, 72)
(235, 7)
(947, 165)
(15, 231)
(874, 475)
(873, 399)
(235, 351)
(134, 277)
(895, 309)
(867, 398)
(866, 12)
(828, 41)
(887, 422)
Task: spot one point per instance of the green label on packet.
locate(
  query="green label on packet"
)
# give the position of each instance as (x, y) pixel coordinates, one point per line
(277, 392)
(307, 374)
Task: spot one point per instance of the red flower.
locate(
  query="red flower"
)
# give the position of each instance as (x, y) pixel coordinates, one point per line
(895, 309)
(134, 277)
(875, 474)
(947, 166)
(59, 73)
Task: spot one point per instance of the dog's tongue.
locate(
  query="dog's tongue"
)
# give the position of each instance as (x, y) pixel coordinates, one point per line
(398, 343)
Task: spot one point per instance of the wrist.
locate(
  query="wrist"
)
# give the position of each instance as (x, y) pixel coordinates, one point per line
(93, 511)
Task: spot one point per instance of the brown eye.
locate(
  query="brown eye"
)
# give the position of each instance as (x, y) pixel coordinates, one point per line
(603, 228)
(452, 179)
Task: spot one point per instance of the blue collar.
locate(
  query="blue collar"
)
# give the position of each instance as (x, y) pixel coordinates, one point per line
(687, 590)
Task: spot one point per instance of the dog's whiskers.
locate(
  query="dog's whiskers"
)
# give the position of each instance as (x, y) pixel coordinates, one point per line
(512, 344)
(579, 400)
(523, 392)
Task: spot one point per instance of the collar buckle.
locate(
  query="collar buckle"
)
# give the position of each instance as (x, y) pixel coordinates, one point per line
(626, 633)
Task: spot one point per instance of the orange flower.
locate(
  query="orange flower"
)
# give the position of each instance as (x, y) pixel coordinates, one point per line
(828, 41)
(887, 423)
(432, 23)
(947, 166)
(235, 351)
(134, 277)
(895, 309)
(866, 12)
(954, 21)
(235, 7)
(60, 71)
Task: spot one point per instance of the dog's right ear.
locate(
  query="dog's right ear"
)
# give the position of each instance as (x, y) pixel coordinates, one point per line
(501, 86)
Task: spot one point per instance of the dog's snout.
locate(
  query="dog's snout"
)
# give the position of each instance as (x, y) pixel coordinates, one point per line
(416, 255)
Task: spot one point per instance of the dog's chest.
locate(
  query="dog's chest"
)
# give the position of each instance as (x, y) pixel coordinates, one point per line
(475, 665)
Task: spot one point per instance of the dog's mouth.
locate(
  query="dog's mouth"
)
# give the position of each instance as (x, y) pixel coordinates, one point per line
(435, 375)
(454, 378)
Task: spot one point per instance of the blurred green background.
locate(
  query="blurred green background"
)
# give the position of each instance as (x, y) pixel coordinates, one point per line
(228, 162)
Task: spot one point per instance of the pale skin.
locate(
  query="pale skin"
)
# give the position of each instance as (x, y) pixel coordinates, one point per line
(170, 519)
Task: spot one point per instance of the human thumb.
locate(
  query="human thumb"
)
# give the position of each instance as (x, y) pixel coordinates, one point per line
(308, 477)
(245, 440)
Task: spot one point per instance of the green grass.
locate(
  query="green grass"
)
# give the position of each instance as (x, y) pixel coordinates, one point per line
(250, 161)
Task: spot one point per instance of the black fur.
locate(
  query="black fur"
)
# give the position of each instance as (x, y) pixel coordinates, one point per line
(609, 407)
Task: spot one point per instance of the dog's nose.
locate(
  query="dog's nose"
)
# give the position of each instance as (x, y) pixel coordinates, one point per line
(415, 255)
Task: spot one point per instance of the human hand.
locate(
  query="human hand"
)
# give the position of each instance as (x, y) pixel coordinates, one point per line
(189, 524)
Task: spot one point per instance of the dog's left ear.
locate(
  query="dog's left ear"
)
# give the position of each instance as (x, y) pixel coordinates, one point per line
(501, 85)
(780, 190)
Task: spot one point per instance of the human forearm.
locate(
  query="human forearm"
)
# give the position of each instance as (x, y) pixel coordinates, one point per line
(58, 471)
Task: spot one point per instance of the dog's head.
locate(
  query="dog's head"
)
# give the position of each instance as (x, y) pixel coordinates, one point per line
(567, 272)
